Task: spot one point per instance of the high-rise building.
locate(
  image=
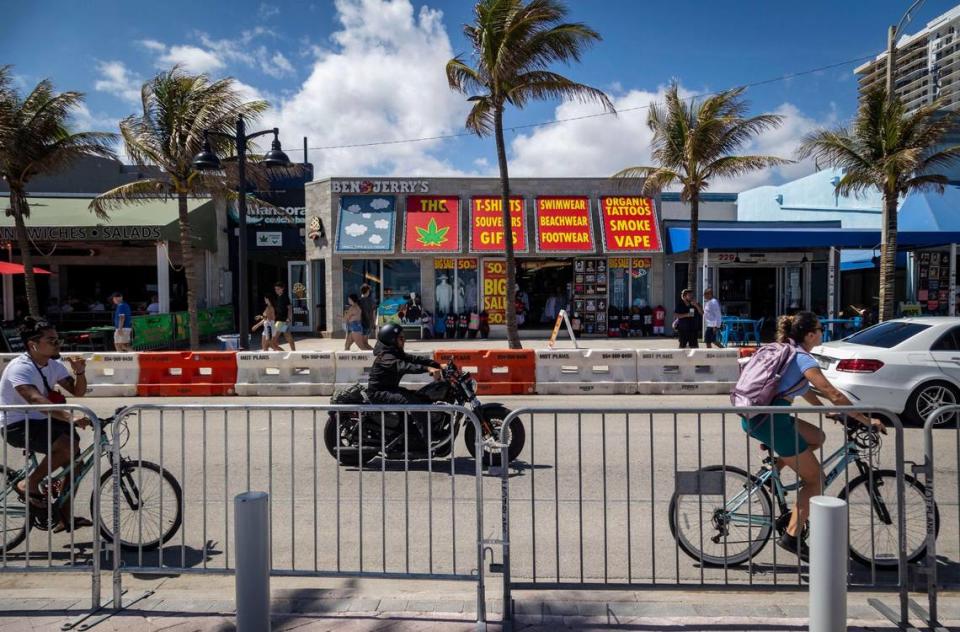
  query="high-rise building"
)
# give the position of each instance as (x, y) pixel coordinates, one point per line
(927, 65)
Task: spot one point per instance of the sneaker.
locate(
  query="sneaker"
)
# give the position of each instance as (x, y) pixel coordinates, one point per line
(795, 545)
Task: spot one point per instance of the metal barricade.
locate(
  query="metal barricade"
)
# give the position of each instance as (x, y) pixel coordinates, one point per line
(379, 518)
(27, 522)
(632, 497)
(943, 420)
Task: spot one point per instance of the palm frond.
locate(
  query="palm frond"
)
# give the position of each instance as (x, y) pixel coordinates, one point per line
(139, 192)
(463, 78)
(735, 166)
(543, 84)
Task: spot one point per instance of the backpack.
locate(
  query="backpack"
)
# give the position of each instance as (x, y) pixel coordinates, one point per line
(759, 379)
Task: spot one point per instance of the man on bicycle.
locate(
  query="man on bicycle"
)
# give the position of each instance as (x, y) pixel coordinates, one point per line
(30, 379)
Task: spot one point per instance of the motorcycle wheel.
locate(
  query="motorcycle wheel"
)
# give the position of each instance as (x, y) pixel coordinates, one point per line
(350, 455)
(495, 417)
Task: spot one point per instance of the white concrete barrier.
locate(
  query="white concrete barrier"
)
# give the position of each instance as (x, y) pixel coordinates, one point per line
(297, 373)
(594, 371)
(109, 374)
(354, 366)
(686, 371)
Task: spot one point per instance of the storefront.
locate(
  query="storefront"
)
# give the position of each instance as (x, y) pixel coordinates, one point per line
(433, 248)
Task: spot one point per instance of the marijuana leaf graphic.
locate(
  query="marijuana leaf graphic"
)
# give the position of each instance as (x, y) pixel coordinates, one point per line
(432, 235)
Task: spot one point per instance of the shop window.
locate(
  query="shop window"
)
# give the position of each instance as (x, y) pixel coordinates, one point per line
(630, 312)
(458, 286)
(357, 272)
(401, 291)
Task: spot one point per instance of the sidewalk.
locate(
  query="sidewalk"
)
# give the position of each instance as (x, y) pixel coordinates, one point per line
(206, 603)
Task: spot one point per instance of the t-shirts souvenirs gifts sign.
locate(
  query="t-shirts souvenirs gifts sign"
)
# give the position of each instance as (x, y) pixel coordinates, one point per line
(629, 224)
(366, 223)
(563, 224)
(486, 225)
(431, 223)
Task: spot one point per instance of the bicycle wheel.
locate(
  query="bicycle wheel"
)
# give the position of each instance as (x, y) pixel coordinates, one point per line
(873, 518)
(717, 537)
(13, 512)
(151, 505)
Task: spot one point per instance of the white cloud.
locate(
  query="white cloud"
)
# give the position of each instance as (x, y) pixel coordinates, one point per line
(191, 58)
(154, 45)
(375, 239)
(242, 50)
(603, 145)
(379, 204)
(83, 120)
(382, 79)
(267, 11)
(354, 230)
(365, 215)
(355, 208)
(118, 81)
(381, 224)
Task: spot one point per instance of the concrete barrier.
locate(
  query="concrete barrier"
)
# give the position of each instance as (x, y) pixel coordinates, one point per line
(593, 371)
(109, 374)
(686, 371)
(297, 373)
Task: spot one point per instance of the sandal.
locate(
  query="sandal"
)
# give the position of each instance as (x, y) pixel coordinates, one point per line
(78, 522)
(37, 499)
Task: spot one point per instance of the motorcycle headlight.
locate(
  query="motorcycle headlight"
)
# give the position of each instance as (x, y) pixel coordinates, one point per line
(472, 384)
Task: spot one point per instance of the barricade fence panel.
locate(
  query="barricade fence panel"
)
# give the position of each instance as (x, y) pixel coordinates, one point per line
(37, 493)
(646, 496)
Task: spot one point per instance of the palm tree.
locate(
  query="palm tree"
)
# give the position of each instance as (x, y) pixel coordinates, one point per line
(35, 139)
(694, 142)
(893, 151)
(178, 108)
(514, 44)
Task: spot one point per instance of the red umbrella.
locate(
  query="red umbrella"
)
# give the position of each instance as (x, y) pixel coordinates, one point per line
(15, 268)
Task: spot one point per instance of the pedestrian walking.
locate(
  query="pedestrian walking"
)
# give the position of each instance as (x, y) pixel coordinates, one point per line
(122, 323)
(284, 316)
(368, 309)
(268, 322)
(685, 321)
(353, 323)
(713, 318)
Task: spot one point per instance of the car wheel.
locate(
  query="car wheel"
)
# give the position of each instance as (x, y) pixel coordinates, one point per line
(928, 398)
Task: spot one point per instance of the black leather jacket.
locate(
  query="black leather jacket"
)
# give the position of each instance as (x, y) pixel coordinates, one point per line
(391, 364)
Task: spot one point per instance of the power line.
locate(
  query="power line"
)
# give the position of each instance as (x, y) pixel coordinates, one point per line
(514, 128)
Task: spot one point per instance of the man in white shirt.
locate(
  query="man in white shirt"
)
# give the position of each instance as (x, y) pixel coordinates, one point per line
(30, 379)
(713, 319)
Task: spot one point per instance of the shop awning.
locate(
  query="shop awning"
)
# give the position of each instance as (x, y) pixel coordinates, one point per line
(870, 264)
(54, 219)
(8, 268)
(767, 238)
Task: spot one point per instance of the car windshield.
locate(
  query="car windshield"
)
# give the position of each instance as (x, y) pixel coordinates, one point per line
(886, 335)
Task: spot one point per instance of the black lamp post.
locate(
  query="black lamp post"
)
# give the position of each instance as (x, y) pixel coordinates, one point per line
(207, 160)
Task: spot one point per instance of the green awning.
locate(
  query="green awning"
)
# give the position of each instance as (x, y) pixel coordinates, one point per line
(55, 219)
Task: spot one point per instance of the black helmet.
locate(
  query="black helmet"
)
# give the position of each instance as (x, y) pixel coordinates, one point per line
(389, 333)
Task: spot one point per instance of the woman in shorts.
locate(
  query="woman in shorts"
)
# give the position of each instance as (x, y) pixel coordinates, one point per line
(796, 441)
(353, 323)
(268, 321)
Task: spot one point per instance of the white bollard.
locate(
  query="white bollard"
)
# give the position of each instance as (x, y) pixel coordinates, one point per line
(251, 519)
(828, 564)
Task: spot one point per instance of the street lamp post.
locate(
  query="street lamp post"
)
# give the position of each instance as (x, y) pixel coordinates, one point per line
(207, 160)
(892, 33)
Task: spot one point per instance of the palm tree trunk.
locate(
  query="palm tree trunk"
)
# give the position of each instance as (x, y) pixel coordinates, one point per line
(18, 202)
(189, 271)
(513, 336)
(888, 257)
(694, 228)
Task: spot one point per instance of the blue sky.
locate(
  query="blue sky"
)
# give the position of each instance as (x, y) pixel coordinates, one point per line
(361, 71)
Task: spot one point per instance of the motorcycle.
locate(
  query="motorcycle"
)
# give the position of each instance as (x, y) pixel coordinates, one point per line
(354, 438)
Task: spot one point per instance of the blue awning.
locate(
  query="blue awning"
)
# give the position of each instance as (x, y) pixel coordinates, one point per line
(767, 238)
(870, 264)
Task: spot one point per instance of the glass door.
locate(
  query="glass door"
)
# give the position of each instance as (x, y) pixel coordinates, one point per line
(299, 287)
(790, 290)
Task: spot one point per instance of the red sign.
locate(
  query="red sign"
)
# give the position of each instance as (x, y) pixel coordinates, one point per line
(486, 225)
(495, 290)
(431, 224)
(629, 224)
(563, 224)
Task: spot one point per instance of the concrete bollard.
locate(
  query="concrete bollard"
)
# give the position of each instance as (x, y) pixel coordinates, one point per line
(251, 519)
(828, 564)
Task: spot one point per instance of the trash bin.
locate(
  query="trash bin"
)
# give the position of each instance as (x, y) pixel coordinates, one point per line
(229, 342)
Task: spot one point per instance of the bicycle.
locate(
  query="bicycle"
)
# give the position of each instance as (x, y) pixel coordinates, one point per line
(733, 527)
(147, 490)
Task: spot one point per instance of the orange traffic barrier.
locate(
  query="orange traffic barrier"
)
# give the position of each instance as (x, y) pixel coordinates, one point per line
(746, 352)
(187, 373)
(498, 372)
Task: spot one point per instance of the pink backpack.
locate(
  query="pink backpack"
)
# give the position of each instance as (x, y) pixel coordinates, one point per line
(759, 380)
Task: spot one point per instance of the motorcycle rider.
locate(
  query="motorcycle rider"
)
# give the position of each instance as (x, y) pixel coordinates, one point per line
(390, 364)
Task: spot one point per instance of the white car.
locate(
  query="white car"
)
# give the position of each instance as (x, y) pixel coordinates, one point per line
(910, 366)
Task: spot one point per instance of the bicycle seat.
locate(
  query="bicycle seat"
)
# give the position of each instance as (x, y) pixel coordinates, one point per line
(764, 446)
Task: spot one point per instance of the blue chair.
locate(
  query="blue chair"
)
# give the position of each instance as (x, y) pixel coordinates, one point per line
(753, 333)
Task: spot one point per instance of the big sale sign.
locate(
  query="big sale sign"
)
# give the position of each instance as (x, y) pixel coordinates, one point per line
(486, 225)
(495, 290)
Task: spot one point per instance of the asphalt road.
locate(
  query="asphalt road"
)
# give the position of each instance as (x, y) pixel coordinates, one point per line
(589, 494)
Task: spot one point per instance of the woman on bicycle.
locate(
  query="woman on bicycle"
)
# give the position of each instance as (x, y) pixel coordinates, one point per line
(796, 441)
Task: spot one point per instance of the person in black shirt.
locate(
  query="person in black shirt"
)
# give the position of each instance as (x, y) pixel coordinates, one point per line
(686, 318)
(284, 316)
